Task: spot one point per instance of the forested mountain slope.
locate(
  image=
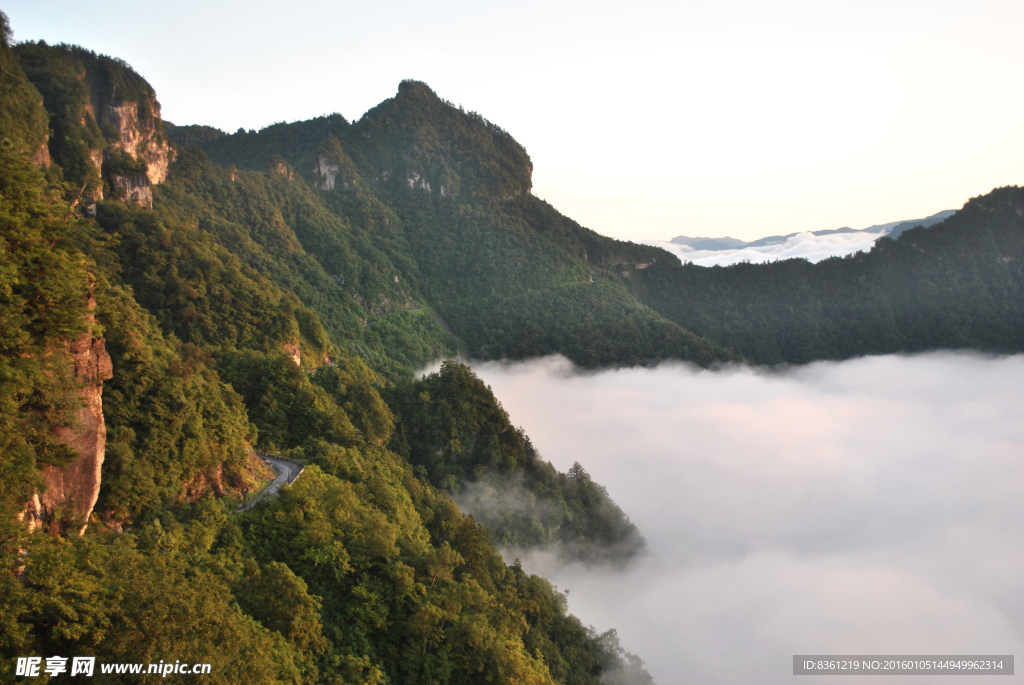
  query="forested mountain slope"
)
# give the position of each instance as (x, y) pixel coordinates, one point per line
(957, 284)
(239, 308)
(446, 196)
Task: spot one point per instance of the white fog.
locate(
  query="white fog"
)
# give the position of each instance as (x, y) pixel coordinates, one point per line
(809, 246)
(872, 506)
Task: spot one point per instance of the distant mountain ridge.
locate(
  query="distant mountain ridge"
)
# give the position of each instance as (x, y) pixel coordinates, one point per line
(958, 283)
(892, 229)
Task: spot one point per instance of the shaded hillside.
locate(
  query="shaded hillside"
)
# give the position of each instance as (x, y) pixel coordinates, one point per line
(218, 231)
(457, 436)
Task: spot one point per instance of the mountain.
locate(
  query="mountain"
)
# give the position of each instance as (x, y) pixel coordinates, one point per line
(899, 228)
(107, 133)
(892, 229)
(958, 283)
(444, 196)
(725, 243)
(162, 315)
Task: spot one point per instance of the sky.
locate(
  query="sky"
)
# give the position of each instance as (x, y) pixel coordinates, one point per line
(644, 120)
(865, 507)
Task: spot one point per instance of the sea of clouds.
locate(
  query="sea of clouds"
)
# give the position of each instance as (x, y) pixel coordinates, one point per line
(871, 506)
(813, 248)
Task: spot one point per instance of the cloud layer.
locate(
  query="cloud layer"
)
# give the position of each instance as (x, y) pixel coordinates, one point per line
(869, 506)
(813, 248)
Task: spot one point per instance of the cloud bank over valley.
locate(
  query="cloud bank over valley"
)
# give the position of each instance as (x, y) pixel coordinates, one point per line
(813, 246)
(870, 506)
(809, 246)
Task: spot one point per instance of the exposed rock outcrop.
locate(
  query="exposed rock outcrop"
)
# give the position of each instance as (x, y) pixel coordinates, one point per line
(292, 348)
(327, 171)
(74, 488)
(96, 157)
(42, 155)
(416, 181)
(133, 188)
(283, 169)
(201, 483)
(100, 101)
(140, 136)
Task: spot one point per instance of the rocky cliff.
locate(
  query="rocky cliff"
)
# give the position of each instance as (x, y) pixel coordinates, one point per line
(135, 188)
(292, 350)
(141, 137)
(100, 111)
(42, 155)
(71, 491)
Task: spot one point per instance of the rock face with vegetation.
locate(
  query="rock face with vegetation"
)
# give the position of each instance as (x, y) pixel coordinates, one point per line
(76, 486)
(278, 290)
(109, 138)
(139, 131)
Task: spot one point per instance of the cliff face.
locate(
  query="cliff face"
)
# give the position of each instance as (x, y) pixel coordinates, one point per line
(327, 172)
(73, 489)
(99, 110)
(134, 188)
(140, 137)
(42, 155)
(292, 349)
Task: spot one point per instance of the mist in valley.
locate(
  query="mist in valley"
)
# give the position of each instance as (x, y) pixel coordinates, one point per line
(809, 246)
(865, 507)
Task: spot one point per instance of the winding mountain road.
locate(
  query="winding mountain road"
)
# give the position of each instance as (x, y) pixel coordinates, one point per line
(287, 472)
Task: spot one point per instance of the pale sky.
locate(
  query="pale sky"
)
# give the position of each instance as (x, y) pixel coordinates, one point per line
(735, 117)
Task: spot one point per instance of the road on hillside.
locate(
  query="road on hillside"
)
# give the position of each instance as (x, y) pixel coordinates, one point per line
(287, 472)
(436, 317)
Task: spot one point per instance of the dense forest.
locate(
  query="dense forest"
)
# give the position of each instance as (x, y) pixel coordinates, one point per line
(241, 309)
(278, 290)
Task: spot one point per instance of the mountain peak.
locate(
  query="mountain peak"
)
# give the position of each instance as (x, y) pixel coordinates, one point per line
(428, 142)
(410, 88)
